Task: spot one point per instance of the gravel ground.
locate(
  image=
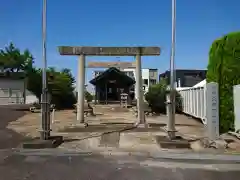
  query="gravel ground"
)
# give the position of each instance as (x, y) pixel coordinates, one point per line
(18, 126)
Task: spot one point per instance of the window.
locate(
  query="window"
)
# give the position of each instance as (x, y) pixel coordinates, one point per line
(97, 73)
(131, 74)
(5, 92)
(145, 81)
(153, 74)
(190, 81)
(153, 81)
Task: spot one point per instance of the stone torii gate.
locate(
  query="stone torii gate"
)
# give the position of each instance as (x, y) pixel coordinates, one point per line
(83, 51)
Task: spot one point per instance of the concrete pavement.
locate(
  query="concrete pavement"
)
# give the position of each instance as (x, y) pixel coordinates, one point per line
(108, 118)
(167, 155)
(62, 165)
(86, 154)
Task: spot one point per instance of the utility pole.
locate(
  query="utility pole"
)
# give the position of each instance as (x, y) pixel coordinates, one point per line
(45, 132)
(118, 61)
(171, 115)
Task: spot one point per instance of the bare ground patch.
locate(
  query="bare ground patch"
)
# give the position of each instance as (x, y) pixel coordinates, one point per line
(20, 126)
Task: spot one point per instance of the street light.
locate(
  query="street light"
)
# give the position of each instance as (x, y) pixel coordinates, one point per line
(45, 132)
(171, 115)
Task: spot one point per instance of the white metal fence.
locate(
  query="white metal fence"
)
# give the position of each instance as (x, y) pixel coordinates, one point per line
(194, 101)
(202, 101)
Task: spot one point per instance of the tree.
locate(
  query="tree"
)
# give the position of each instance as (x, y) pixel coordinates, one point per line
(88, 96)
(60, 86)
(60, 83)
(12, 60)
(34, 81)
(224, 68)
(156, 97)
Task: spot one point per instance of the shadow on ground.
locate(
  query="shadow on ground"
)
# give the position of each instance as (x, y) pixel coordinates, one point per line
(178, 143)
(110, 127)
(108, 139)
(96, 128)
(8, 137)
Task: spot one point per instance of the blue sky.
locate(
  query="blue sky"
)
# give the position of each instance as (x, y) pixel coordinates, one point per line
(119, 23)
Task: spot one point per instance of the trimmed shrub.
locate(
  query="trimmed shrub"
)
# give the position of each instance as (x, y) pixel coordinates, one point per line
(156, 98)
(224, 68)
(88, 96)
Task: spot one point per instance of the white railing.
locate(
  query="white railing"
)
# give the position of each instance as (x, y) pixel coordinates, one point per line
(236, 98)
(194, 101)
(202, 101)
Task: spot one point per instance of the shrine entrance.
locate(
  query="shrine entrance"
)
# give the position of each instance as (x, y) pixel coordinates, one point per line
(83, 51)
(110, 84)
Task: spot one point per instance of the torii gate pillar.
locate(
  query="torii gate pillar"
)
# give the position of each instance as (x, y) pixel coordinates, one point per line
(139, 89)
(81, 88)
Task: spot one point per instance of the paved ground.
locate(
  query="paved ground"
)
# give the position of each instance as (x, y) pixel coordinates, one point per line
(63, 166)
(108, 118)
(23, 126)
(18, 126)
(10, 138)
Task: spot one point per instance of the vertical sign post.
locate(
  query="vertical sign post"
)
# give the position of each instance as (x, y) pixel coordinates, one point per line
(236, 96)
(212, 110)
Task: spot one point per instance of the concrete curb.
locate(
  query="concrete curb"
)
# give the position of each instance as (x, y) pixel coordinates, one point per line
(201, 157)
(157, 155)
(181, 157)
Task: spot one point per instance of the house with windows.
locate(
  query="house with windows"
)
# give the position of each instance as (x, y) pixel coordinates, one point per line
(12, 88)
(149, 77)
(185, 77)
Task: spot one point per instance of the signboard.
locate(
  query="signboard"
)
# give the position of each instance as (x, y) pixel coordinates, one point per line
(212, 110)
(109, 51)
(236, 97)
(111, 64)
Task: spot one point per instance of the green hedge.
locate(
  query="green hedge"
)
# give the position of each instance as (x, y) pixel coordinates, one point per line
(156, 98)
(88, 96)
(224, 68)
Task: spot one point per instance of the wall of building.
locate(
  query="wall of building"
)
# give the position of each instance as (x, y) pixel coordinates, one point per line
(31, 98)
(147, 75)
(186, 78)
(11, 91)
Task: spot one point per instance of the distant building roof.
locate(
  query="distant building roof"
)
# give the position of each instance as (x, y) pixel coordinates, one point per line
(186, 77)
(111, 74)
(184, 70)
(12, 75)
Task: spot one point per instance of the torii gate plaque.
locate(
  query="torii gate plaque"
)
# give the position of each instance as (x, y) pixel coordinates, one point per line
(83, 51)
